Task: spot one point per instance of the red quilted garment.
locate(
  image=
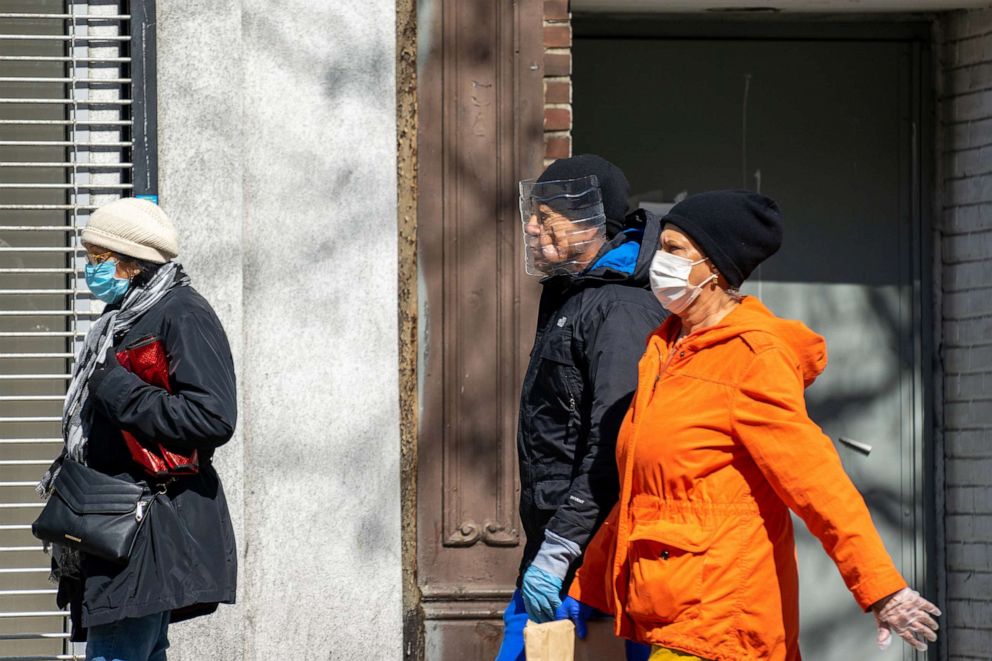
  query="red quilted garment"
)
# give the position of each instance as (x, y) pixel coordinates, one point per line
(148, 361)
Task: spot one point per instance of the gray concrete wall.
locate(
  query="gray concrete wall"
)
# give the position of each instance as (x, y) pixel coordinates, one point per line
(966, 251)
(278, 161)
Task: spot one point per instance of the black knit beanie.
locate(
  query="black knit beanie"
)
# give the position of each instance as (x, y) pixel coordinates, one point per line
(735, 229)
(612, 184)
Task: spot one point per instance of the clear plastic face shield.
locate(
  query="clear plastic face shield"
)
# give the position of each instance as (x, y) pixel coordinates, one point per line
(564, 224)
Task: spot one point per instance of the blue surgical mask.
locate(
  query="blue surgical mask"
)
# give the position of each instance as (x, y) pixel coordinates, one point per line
(103, 282)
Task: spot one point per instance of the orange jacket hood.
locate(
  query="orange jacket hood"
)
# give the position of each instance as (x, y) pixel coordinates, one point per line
(809, 349)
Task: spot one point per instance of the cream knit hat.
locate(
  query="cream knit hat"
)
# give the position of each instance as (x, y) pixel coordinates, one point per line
(133, 227)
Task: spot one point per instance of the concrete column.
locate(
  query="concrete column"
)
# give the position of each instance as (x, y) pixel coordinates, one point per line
(278, 161)
(201, 164)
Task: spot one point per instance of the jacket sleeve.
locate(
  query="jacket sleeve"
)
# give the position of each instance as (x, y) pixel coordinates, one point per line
(592, 581)
(201, 412)
(804, 469)
(613, 347)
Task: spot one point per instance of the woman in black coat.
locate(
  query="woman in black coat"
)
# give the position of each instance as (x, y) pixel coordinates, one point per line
(184, 561)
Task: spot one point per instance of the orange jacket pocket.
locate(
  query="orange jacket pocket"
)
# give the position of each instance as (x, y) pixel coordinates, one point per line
(666, 570)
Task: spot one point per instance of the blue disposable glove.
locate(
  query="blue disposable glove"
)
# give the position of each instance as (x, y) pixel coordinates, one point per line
(578, 612)
(542, 594)
(636, 651)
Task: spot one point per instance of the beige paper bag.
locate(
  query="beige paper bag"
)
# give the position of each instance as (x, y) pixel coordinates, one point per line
(551, 641)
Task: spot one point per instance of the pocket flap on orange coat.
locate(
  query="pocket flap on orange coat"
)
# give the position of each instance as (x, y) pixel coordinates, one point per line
(681, 535)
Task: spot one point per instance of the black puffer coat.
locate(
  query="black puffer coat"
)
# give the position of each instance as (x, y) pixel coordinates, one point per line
(591, 332)
(184, 560)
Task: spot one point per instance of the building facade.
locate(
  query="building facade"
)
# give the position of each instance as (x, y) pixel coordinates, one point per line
(344, 179)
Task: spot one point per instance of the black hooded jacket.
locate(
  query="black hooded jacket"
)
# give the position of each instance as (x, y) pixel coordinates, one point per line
(184, 559)
(591, 332)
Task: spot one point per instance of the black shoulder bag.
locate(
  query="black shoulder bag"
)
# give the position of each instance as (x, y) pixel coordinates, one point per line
(94, 513)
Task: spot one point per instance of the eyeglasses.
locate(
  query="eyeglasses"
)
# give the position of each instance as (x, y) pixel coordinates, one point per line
(97, 259)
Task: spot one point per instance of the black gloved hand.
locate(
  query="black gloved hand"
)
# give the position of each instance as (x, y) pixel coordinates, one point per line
(103, 369)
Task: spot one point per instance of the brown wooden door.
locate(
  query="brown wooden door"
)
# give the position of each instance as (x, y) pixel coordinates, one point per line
(480, 101)
(480, 130)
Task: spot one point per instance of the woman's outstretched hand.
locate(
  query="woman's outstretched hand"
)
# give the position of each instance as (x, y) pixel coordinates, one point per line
(909, 616)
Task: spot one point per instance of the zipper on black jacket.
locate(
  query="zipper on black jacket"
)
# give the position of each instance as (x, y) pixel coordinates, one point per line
(572, 409)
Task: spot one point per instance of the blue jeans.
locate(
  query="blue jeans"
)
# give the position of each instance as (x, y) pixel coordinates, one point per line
(131, 639)
(514, 621)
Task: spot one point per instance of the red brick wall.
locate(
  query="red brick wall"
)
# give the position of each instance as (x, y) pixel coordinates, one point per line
(557, 80)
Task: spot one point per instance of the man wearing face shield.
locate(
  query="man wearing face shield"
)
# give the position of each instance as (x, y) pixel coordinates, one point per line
(595, 314)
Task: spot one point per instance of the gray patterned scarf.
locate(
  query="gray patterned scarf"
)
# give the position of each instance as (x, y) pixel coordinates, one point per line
(99, 339)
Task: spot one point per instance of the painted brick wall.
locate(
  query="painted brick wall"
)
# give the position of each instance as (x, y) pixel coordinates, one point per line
(557, 80)
(966, 251)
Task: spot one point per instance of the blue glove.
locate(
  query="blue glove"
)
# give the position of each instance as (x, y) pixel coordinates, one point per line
(636, 651)
(542, 594)
(578, 612)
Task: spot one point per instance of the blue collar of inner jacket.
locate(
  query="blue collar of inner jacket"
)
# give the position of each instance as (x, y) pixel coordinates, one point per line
(623, 258)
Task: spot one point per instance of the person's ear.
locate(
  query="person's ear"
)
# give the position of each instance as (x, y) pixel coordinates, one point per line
(127, 268)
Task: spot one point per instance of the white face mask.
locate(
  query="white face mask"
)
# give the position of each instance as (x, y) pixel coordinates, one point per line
(670, 281)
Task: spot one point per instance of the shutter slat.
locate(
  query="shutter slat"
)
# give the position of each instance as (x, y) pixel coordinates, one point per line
(65, 149)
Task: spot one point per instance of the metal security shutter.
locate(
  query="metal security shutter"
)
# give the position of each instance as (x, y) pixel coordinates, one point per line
(66, 138)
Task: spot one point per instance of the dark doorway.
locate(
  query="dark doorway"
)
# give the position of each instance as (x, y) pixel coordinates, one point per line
(832, 123)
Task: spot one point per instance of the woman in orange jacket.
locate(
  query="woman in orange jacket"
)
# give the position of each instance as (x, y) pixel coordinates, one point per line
(698, 557)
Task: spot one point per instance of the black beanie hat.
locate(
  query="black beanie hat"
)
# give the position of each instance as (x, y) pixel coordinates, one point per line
(735, 229)
(612, 184)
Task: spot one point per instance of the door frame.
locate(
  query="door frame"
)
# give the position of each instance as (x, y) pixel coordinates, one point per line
(470, 102)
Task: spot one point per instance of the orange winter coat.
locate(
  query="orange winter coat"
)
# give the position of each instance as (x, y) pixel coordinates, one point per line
(698, 554)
